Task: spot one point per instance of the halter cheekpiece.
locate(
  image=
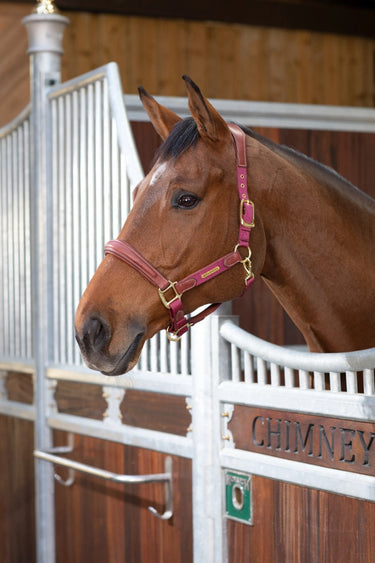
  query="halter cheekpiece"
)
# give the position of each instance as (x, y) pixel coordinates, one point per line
(171, 292)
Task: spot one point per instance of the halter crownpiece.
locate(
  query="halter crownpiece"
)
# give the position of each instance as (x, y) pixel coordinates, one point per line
(170, 292)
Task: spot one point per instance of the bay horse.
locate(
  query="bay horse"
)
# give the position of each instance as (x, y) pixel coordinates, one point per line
(187, 241)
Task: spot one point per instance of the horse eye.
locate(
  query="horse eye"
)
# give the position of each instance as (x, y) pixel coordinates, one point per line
(187, 201)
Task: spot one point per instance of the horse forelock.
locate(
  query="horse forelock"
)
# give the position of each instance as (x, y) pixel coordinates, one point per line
(183, 136)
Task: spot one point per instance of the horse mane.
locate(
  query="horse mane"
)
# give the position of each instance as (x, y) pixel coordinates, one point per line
(320, 171)
(185, 135)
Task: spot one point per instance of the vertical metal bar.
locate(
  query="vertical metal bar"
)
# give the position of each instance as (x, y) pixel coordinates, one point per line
(236, 363)
(289, 377)
(163, 353)
(98, 173)
(261, 371)
(319, 381)
(2, 243)
(45, 32)
(335, 382)
(11, 248)
(248, 368)
(275, 374)
(208, 523)
(173, 352)
(351, 382)
(368, 382)
(185, 354)
(16, 242)
(27, 241)
(76, 203)
(68, 294)
(154, 351)
(304, 379)
(115, 218)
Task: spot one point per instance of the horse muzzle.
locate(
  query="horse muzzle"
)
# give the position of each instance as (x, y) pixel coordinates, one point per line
(95, 338)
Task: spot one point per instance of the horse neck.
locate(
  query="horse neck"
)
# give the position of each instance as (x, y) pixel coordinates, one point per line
(317, 229)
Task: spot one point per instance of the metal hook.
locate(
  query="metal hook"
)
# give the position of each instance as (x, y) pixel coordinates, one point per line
(64, 450)
(168, 512)
(66, 482)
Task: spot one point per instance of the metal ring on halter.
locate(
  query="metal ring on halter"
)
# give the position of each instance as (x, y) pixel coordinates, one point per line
(246, 262)
(173, 335)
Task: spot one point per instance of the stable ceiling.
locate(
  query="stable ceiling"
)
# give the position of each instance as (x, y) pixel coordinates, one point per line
(352, 17)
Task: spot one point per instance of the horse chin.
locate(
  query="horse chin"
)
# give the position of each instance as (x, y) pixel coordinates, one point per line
(116, 364)
(129, 359)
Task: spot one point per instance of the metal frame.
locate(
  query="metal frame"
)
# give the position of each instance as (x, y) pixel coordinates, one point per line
(272, 114)
(60, 147)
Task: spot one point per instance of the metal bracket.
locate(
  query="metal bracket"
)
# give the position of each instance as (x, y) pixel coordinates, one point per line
(166, 477)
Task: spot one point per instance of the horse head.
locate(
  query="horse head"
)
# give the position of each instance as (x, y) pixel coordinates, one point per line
(185, 216)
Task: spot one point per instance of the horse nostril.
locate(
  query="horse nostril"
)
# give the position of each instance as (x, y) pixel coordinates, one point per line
(97, 334)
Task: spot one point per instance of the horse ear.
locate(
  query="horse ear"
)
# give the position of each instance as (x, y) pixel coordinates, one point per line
(161, 118)
(209, 121)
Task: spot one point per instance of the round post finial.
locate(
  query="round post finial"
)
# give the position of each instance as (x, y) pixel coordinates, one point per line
(45, 7)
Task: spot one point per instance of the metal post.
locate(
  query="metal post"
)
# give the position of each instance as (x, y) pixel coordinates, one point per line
(209, 525)
(45, 32)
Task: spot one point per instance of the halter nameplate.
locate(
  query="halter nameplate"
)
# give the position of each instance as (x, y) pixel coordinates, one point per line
(171, 292)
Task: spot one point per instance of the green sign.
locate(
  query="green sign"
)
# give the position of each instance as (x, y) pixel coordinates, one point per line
(238, 496)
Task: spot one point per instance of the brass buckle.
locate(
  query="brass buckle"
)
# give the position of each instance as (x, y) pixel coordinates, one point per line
(164, 300)
(243, 223)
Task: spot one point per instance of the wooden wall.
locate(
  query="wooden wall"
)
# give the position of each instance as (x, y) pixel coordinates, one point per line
(226, 60)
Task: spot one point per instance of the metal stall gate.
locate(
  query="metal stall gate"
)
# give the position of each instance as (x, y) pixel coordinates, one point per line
(68, 167)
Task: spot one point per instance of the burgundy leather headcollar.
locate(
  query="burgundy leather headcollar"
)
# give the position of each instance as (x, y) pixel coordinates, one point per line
(171, 292)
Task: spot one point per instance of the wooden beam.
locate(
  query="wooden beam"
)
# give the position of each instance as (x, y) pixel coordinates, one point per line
(342, 17)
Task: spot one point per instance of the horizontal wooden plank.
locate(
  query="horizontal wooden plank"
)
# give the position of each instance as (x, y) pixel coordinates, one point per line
(155, 411)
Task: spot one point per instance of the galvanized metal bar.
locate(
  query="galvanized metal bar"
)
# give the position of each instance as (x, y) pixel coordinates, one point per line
(351, 382)
(248, 368)
(335, 382)
(45, 34)
(271, 114)
(319, 381)
(123, 434)
(304, 474)
(309, 401)
(275, 374)
(289, 377)
(17, 409)
(235, 363)
(102, 473)
(368, 382)
(208, 523)
(165, 477)
(295, 359)
(261, 371)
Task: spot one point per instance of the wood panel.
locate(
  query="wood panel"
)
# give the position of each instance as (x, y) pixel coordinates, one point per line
(227, 60)
(300, 525)
(17, 520)
(344, 16)
(101, 521)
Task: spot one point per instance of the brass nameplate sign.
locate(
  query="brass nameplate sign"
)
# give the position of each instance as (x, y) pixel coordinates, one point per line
(329, 442)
